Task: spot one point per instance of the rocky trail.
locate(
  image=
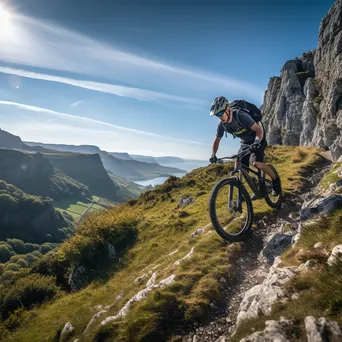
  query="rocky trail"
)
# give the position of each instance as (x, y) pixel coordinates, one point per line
(254, 267)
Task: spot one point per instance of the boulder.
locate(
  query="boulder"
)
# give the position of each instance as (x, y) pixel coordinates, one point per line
(67, 332)
(321, 330)
(321, 206)
(184, 201)
(336, 254)
(276, 245)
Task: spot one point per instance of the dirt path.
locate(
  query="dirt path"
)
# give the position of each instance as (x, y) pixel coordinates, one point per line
(251, 268)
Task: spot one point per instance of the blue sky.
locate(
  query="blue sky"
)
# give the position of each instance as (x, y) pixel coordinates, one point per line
(138, 76)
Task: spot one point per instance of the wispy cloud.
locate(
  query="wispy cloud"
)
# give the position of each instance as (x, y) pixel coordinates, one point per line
(92, 121)
(28, 118)
(140, 94)
(75, 103)
(38, 44)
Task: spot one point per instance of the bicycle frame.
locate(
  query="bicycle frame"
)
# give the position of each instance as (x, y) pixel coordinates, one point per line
(243, 171)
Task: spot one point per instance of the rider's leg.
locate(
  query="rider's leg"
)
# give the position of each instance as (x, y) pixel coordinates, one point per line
(257, 159)
(262, 166)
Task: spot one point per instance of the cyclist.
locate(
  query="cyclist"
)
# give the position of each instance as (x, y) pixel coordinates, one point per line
(251, 134)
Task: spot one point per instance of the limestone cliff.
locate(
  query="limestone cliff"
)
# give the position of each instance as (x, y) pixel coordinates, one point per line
(304, 105)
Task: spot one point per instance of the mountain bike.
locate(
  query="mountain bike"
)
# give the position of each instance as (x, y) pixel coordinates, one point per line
(230, 205)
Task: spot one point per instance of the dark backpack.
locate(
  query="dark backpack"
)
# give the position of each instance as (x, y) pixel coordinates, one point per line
(247, 107)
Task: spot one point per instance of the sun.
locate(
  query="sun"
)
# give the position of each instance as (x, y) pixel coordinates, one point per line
(5, 18)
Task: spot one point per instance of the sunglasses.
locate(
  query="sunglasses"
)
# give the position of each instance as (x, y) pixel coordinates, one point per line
(220, 113)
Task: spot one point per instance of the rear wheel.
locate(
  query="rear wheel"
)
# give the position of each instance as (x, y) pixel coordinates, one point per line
(274, 201)
(231, 216)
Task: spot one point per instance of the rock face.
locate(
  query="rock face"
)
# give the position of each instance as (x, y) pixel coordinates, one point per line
(304, 105)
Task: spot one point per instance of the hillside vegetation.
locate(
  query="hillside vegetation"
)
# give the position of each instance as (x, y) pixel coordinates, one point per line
(34, 174)
(151, 234)
(28, 217)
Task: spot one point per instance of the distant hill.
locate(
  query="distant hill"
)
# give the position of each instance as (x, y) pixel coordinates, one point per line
(67, 170)
(9, 140)
(131, 170)
(35, 174)
(121, 155)
(159, 160)
(89, 170)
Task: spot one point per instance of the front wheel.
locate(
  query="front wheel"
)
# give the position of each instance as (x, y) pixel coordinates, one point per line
(274, 201)
(231, 210)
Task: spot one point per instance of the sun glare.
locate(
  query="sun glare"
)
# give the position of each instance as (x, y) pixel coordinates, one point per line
(5, 20)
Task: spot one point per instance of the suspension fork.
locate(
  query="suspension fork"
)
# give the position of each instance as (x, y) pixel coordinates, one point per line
(230, 195)
(262, 184)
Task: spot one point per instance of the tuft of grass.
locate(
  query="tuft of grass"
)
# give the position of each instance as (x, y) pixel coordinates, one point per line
(330, 177)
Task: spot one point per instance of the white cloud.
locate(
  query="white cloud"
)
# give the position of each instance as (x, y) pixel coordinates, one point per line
(136, 93)
(95, 123)
(73, 104)
(38, 44)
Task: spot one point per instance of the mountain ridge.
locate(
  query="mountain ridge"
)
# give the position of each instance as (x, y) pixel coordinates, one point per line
(131, 170)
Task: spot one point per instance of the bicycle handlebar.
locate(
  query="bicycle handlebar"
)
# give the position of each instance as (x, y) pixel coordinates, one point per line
(234, 156)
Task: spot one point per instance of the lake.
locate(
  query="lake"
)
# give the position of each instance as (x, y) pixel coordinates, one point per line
(187, 166)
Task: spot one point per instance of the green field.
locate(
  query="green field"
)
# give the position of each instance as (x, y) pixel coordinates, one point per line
(77, 208)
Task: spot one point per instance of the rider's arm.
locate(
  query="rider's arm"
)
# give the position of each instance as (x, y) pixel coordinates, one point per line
(216, 144)
(258, 131)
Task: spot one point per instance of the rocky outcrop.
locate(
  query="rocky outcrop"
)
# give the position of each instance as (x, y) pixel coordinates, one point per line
(336, 254)
(317, 330)
(67, 332)
(304, 105)
(321, 206)
(260, 298)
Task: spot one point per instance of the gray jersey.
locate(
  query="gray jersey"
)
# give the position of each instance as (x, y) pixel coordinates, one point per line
(241, 124)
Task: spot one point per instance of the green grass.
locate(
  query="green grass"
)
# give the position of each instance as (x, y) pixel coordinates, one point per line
(199, 280)
(77, 208)
(331, 177)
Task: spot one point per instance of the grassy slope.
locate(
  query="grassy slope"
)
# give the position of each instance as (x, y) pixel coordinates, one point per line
(128, 189)
(76, 208)
(199, 280)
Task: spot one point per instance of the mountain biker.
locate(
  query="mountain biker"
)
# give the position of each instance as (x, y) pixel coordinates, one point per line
(251, 134)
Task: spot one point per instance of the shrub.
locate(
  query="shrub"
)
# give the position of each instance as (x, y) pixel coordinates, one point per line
(45, 248)
(89, 245)
(33, 289)
(7, 275)
(15, 319)
(37, 254)
(22, 263)
(15, 258)
(30, 258)
(11, 267)
(30, 247)
(6, 252)
(51, 265)
(17, 245)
